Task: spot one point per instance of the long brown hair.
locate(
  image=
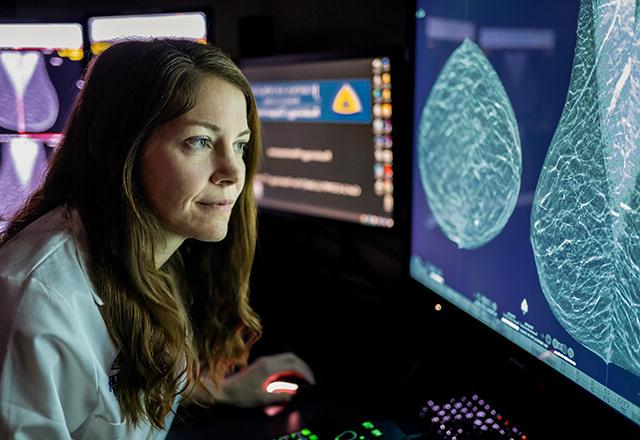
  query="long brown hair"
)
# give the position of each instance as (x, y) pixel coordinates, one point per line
(193, 313)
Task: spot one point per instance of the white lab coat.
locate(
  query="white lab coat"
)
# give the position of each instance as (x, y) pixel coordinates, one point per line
(55, 351)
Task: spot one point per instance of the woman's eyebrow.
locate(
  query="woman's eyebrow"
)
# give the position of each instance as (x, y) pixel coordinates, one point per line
(214, 127)
(205, 124)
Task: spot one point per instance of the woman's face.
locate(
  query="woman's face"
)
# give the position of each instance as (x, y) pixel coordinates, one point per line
(192, 169)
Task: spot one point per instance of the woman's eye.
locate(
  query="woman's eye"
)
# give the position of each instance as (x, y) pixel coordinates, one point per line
(199, 143)
(241, 147)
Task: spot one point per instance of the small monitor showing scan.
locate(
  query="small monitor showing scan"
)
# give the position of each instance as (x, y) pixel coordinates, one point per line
(40, 76)
(328, 136)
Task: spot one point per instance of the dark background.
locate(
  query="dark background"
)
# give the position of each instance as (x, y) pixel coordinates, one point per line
(338, 294)
(255, 27)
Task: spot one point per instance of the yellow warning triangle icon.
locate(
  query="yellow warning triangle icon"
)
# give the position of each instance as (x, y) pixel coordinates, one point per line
(346, 101)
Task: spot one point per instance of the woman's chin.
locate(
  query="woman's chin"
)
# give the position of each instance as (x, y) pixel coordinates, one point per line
(213, 235)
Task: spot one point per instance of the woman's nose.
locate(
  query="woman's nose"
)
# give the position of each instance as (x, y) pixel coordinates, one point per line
(227, 165)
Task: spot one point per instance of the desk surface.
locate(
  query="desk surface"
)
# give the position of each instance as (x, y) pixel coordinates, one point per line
(334, 407)
(316, 406)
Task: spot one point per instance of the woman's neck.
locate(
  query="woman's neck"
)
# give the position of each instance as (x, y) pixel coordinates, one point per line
(165, 249)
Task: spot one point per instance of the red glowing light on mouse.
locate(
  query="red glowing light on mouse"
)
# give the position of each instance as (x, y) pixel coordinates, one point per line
(282, 387)
(273, 384)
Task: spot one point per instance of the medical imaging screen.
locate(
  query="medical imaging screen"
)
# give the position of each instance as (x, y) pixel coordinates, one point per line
(526, 188)
(328, 137)
(37, 89)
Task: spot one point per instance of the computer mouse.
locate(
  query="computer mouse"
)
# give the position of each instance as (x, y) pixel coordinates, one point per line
(289, 383)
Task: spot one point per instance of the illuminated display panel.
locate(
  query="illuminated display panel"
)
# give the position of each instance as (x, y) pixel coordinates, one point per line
(328, 137)
(525, 180)
(103, 31)
(40, 76)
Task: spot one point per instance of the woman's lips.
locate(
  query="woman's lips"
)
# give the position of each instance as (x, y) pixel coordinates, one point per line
(224, 205)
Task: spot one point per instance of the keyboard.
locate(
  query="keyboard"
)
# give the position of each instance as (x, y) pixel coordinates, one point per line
(359, 430)
(467, 418)
(464, 418)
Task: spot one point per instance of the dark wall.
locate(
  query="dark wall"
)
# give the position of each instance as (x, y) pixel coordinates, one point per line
(250, 26)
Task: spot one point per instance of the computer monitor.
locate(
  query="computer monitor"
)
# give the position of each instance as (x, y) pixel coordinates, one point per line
(104, 31)
(329, 138)
(525, 181)
(40, 76)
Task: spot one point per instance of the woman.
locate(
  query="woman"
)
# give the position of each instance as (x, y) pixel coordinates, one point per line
(124, 278)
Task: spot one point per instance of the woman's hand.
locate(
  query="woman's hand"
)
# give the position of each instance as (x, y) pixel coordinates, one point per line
(247, 388)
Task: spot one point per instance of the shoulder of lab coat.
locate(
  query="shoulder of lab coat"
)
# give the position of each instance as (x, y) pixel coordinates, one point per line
(55, 350)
